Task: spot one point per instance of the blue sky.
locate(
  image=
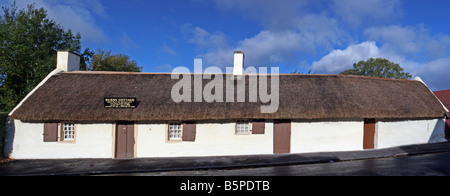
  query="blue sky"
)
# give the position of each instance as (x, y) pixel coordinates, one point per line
(324, 36)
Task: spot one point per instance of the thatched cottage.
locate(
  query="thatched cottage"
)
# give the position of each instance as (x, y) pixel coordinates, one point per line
(79, 114)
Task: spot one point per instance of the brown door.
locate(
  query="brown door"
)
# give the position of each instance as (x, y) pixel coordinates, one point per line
(125, 140)
(369, 134)
(282, 136)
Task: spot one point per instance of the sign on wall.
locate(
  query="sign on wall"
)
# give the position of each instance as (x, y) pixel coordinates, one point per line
(120, 102)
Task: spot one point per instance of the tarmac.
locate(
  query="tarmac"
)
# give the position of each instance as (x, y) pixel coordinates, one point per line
(81, 167)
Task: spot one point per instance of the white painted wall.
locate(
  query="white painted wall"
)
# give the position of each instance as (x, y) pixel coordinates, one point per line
(219, 139)
(92, 141)
(326, 136)
(400, 133)
(212, 139)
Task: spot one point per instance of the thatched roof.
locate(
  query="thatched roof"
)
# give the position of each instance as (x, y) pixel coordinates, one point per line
(79, 96)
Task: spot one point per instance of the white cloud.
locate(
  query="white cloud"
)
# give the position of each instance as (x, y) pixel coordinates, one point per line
(320, 31)
(341, 60)
(364, 29)
(203, 38)
(434, 72)
(264, 49)
(269, 47)
(77, 15)
(415, 41)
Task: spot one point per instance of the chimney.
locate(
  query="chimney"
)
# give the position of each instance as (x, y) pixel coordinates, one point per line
(238, 66)
(67, 61)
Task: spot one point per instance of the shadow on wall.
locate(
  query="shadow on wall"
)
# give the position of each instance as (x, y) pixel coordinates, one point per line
(438, 134)
(10, 129)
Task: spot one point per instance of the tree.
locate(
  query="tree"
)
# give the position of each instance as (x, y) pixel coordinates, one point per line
(105, 61)
(28, 44)
(379, 67)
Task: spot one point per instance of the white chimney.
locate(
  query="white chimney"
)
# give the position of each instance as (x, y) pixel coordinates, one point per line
(238, 66)
(67, 61)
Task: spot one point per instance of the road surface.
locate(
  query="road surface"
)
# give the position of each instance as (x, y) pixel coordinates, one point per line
(437, 164)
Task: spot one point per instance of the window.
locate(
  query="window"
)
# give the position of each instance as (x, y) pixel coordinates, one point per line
(174, 131)
(68, 132)
(242, 127)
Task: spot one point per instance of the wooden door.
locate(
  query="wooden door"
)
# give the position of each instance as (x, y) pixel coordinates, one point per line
(125, 140)
(282, 136)
(369, 134)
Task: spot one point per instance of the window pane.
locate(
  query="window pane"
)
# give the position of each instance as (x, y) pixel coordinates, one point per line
(242, 127)
(174, 131)
(69, 131)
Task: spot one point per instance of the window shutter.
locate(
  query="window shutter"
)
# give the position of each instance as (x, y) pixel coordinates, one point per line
(50, 132)
(258, 127)
(189, 132)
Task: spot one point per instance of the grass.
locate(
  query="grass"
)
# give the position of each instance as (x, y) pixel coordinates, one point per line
(3, 116)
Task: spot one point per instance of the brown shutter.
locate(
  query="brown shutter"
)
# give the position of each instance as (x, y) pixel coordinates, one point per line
(189, 131)
(258, 127)
(50, 132)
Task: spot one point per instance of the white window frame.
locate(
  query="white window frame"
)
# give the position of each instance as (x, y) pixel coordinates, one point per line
(68, 132)
(175, 131)
(243, 127)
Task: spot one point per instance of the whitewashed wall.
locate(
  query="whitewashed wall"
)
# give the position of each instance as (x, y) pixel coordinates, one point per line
(401, 133)
(92, 141)
(326, 136)
(25, 140)
(212, 139)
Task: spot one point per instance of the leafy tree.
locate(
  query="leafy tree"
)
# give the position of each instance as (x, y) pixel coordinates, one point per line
(105, 61)
(379, 67)
(28, 44)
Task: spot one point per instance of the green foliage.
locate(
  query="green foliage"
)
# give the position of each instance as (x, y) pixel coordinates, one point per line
(28, 44)
(105, 61)
(379, 67)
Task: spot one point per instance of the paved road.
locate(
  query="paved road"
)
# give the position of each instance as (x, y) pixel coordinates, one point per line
(420, 165)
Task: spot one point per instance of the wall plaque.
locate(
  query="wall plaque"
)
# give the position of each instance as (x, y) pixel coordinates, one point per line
(120, 102)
